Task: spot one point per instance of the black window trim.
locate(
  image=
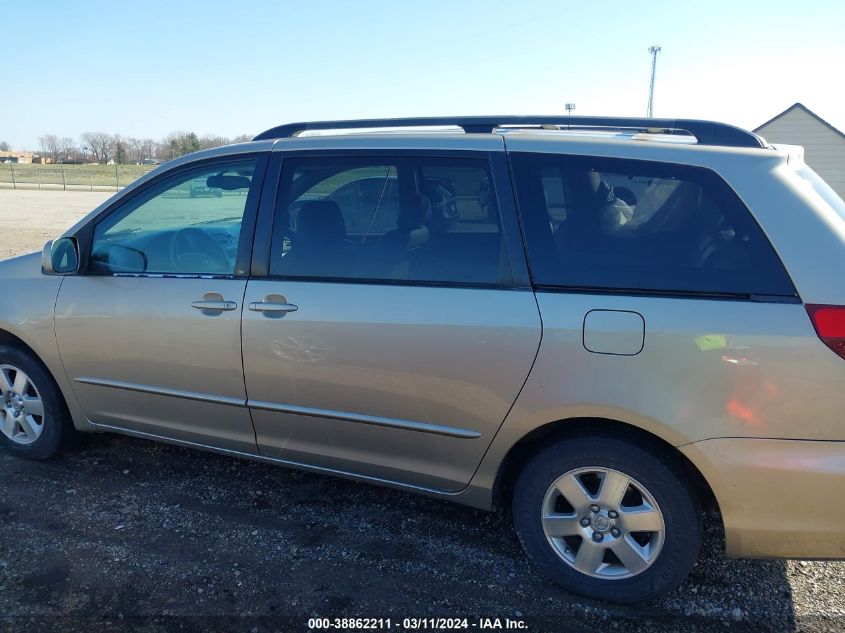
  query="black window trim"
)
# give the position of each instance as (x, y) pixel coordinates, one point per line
(85, 236)
(678, 294)
(271, 205)
(669, 294)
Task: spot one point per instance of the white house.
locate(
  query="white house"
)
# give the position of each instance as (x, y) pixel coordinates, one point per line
(824, 145)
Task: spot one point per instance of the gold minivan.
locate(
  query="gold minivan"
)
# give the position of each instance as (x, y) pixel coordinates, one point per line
(608, 325)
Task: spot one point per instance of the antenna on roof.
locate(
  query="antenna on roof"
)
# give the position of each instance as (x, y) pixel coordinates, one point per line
(653, 50)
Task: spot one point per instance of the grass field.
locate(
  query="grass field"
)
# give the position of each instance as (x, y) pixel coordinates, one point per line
(71, 177)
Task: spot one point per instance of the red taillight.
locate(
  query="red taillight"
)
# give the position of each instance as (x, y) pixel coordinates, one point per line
(829, 322)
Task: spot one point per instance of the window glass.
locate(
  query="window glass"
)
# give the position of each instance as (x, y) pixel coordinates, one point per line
(403, 219)
(190, 224)
(637, 225)
(367, 196)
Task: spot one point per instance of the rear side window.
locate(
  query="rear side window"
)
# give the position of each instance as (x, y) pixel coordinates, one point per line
(402, 219)
(599, 223)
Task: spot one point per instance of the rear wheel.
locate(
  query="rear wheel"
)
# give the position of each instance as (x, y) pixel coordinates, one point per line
(34, 422)
(607, 519)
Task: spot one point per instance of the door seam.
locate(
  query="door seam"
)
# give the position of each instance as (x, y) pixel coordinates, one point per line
(518, 394)
(243, 367)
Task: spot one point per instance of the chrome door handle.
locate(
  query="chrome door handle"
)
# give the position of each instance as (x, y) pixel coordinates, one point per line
(272, 306)
(214, 305)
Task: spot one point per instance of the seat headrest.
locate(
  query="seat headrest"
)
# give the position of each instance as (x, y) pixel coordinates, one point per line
(414, 213)
(585, 184)
(321, 220)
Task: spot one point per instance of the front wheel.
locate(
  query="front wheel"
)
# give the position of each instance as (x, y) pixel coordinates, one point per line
(34, 422)
(607, 519)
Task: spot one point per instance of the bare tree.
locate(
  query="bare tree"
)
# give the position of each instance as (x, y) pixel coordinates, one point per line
(101, 145)
(162, 148)
(172, 144)
(50, 146)
(4, 146)
(150, 148)
(208, 141)
(68, 147)
(168, 146)
(135, 149)
(178, 144)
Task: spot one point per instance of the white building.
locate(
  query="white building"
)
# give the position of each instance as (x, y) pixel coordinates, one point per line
(824, 145)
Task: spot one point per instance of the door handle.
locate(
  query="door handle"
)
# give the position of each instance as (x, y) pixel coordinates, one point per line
(272, 306)
(214, 305)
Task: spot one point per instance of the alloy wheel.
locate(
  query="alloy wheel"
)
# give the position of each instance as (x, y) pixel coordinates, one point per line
(21, 407)
(603, 523)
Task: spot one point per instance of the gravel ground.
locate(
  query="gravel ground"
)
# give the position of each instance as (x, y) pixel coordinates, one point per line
(123, 534)
(29, 218)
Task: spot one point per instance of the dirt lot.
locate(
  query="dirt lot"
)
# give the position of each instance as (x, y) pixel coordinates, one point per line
(123, 534)
(30, 218)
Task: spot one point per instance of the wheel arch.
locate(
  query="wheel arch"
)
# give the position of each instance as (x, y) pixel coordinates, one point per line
(531, 443)
(9, 337)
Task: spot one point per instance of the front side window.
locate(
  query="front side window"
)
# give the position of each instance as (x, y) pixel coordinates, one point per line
(398, 219)
(189, 224)
(635, 225)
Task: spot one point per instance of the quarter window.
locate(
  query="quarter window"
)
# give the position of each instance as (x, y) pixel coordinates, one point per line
(428, 220)
(189, 224)
(636, 225)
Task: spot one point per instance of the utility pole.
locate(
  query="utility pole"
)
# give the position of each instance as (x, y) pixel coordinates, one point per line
(653, 50)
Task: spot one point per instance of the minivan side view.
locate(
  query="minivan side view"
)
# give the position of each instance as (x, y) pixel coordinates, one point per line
(608, 326)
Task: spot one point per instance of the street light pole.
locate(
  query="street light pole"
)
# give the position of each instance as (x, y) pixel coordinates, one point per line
(653, 50)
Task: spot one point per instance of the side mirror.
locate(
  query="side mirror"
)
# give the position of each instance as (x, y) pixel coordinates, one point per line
(60, 257)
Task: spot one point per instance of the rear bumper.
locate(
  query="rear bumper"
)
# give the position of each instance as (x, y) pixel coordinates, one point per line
(778, 498)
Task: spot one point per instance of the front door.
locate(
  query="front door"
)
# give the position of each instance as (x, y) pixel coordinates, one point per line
(388, 340)
(150, 333)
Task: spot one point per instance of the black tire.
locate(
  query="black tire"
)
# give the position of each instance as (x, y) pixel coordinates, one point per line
(654, 471)
(57, 426)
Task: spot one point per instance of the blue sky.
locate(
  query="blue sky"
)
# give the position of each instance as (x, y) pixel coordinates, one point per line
(145, 68)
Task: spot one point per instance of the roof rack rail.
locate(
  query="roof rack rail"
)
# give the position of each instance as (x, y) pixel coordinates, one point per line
(705, 132)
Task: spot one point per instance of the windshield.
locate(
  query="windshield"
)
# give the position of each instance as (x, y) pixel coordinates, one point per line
(823, 189)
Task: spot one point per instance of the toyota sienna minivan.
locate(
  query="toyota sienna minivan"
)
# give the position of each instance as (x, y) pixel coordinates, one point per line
(609, 326)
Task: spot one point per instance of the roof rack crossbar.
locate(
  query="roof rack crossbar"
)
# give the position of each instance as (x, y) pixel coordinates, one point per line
(705, 132)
